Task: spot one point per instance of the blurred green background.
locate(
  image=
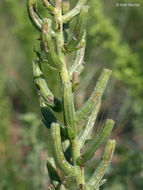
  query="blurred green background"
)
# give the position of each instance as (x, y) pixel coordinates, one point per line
(115, 41)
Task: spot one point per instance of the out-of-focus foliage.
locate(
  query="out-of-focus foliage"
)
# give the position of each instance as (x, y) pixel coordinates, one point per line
(108, 48)
(114, 40)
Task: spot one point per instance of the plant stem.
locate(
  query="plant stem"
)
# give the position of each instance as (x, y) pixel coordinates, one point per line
(79, 169)
(67, 97)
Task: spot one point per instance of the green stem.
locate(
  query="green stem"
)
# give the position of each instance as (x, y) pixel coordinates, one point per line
(67, 96)
(79, 169)
(67, 99)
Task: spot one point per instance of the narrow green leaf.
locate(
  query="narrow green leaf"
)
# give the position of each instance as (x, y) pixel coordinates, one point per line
(68, 16)
(85, 134)
(95, 179)
(43, 89)
(77, 64)
(48, 44)
(97, 142)
(54, 177)
(66, 168)
(49, 6)
(78, 30)
(33, 14)
(96, 95)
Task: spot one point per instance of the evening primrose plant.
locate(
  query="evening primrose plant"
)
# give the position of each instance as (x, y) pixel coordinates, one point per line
(70, 134)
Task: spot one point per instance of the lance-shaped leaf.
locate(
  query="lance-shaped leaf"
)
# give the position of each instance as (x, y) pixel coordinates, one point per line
(95, 179)
(43, 89)
(68, 16)
(66, 168)
(97, 142)
(77, 64)
(49, 6)
(48, 44)
(78, 31)
(33, 14)
(85, 134)
(95, 96)
(68, 109)
(54, 177)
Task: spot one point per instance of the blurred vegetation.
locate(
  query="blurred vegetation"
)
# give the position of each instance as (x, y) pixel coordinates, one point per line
(114, 40)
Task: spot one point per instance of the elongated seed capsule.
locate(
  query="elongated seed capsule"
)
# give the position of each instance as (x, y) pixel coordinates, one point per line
(85, 134)
(48, 44)
(68, 16)
(33, 14)
(49, 6)
(54, 177)
(97, 142)
(78, 30)
(43, 89)
(66, 168)
(78, 60)
(95, 96)
(68, 109)
(95, 179)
